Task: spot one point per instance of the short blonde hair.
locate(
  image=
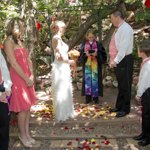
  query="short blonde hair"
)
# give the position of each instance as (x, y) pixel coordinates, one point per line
(57, 24)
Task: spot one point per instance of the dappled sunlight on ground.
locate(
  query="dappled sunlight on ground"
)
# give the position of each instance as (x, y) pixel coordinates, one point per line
(44, 108)
(94, 111)
(41, 95)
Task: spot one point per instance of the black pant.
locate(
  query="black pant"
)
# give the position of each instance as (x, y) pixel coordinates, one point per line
(146, 113)
(4, 126)
(124, 71)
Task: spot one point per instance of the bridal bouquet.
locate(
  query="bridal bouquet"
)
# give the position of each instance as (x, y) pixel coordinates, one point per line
(74, 55)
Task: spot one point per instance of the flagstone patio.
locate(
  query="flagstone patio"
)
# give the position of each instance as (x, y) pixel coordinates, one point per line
(93, 128)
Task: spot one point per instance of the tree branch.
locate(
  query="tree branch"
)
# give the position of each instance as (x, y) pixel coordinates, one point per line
(81, 31)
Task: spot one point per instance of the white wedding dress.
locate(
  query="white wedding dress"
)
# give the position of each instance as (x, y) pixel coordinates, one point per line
(62, 91)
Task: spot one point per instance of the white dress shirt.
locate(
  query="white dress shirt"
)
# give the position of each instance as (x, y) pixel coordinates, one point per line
(144, 79)
(5, 73)
(124, 41)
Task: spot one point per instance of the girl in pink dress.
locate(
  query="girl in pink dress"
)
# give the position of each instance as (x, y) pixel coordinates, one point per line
(23, 93)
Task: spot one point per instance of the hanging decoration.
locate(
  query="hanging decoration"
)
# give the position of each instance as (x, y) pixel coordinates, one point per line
(147, 3)
(38, 25)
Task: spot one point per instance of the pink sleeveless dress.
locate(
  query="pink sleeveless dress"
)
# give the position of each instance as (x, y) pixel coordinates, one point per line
(22, 97)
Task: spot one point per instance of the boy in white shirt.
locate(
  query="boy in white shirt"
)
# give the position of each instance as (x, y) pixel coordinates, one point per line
(143, 93)
(5, 91)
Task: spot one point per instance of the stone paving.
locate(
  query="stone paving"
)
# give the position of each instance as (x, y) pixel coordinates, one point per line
(83, 132)
(115, 144)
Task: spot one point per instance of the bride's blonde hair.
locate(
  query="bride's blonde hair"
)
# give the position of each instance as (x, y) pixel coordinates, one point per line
(57, 24)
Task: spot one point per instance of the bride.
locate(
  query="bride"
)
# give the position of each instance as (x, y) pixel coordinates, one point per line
(62, 93)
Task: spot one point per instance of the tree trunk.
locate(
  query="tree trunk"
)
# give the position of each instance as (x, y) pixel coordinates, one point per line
(28, 14)
(31, 35)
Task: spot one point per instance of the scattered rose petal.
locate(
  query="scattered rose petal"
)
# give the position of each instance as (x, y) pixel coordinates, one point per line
(66, 128)
(106, 142)
(14, 122)
(69, 143)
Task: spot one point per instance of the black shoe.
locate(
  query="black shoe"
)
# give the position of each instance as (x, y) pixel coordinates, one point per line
(121, 114)
(88, 99)
(139, 137)
(144, 142)
(95, 99)
(113, 110)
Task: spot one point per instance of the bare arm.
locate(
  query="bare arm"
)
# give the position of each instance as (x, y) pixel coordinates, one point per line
(30, 65)
(9, 50)
(56, 44)
(31, 69)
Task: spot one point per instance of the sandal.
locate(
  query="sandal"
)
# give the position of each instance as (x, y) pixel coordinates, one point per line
(32, 140)
(25, 143)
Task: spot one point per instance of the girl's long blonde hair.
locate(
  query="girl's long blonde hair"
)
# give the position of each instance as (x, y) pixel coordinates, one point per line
(10, 28)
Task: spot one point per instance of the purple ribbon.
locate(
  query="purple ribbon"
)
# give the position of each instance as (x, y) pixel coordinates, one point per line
(8, 101)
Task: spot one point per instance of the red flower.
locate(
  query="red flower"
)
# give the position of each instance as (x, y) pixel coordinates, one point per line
(77, 139)
(86, 146)
(147, 3)
(78, 110)
(14, 122)
(69, 143)
(97, 146)
(38, 25)
(106, 142)
(94, 142)
(66, 128)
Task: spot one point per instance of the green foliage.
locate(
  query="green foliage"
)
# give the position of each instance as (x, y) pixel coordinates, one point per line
(7, 11)
(70, 14)
(143, 15)
(130, 1)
